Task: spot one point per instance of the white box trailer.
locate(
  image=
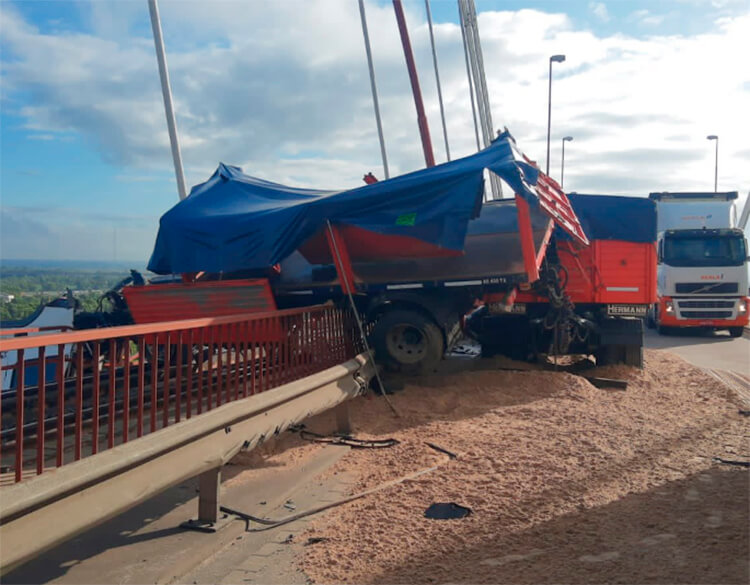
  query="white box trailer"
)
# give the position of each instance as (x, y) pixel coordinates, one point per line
(702, 274)
(687, 211)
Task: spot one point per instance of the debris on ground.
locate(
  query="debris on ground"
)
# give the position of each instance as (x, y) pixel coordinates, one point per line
(446, 511)
(466, 348)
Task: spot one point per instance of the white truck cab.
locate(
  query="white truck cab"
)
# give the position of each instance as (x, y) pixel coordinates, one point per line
(702, 274)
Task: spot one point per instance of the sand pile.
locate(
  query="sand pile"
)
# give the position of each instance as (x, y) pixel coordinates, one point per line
(564, 481)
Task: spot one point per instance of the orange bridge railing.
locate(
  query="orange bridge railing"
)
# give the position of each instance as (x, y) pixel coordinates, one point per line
(70, 395)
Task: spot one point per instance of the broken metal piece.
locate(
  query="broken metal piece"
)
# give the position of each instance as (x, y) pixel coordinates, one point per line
(731, 462)
(607, 382)
(446, 511)
(450, 454)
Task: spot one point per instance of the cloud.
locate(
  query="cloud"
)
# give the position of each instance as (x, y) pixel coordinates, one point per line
(646, 18)
(61, 233)
(600, 10)
(264, 89)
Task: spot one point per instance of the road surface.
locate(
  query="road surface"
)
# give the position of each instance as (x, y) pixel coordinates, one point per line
(706, 350)
(145, 545)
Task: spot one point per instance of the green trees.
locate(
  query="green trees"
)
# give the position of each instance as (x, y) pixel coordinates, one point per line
(32, 287)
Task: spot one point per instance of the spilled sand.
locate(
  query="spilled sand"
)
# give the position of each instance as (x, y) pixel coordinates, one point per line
(566, 482)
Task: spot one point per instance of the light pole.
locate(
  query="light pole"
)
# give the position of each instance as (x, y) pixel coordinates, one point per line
(552, 59)
(562, 166)
(716, 161)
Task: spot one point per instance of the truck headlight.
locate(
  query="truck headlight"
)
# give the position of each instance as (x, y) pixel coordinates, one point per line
(742, 306)
(669, 307)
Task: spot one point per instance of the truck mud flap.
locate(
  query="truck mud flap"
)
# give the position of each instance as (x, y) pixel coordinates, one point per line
(624, 331)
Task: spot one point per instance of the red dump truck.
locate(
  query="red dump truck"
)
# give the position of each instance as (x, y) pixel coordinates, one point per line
(415, 264)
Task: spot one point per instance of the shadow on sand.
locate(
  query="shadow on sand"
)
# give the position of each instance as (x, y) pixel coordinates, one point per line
(693, 530)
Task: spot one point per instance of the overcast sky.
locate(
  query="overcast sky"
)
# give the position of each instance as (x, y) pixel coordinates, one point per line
(282, 90)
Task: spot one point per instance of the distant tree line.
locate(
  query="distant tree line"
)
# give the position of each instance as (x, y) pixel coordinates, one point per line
(15, 281)
(32, 287)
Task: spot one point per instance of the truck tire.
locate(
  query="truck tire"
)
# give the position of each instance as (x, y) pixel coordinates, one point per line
(407, 341)
(736, 331)
(664, 330)
(651, 318)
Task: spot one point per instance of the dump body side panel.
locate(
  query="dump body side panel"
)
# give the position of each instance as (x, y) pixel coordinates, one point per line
(608, 271)
(627, 272)
(175, 301)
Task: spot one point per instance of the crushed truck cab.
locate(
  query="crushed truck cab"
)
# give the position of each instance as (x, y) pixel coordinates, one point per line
(589, 299)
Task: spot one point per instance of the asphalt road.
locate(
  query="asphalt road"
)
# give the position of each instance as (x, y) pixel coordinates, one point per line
(715, 350)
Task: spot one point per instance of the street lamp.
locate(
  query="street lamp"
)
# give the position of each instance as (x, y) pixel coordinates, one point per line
(552, 59)
(716, 160)
(562, 167)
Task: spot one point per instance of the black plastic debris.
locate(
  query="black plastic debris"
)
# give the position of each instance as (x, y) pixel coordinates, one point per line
(730, 462)
(315, 540)
(446, 511)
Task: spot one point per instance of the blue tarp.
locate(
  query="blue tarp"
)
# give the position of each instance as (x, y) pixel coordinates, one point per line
(235, 222)
(610, 217)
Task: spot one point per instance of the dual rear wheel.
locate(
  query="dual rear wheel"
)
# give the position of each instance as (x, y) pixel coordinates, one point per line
(407, 341)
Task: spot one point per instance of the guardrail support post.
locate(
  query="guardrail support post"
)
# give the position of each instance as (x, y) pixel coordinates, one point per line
(209, 483)
(208, 499)
(343, 422)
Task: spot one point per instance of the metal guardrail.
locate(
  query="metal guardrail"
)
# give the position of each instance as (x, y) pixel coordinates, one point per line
(42, 511)
(123, 383)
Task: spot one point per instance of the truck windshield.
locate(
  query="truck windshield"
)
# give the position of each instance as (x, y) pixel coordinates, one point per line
(704, 251)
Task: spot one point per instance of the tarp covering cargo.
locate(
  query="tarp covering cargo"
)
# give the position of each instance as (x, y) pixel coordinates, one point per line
(235, 222)
(609, 217)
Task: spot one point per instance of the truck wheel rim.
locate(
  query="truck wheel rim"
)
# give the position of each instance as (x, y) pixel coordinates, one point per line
(407, 344)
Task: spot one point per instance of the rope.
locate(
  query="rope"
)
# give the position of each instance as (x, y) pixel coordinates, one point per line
(343, 439)
(381, 386)
(269, 524)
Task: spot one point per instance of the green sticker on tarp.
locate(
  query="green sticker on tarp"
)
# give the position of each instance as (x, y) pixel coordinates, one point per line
(406, 219)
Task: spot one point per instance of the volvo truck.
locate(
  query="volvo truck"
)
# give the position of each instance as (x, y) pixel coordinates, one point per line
(702, 275)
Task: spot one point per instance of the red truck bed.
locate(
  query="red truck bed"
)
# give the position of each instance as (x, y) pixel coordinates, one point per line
(176, 301)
